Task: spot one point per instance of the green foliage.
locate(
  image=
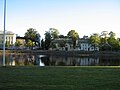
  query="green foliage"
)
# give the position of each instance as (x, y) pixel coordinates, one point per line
(7, 44)
(30, 34)
(113, 42)
(62, 43)
(112, 34)
(30, 37)
(47, 40)
(52, 45)
(54, 33)
(95, 39)
(30, 44)
(17, 43)
(104, 35)
(109, 42)
(42, 44)
(74, 35)
(49, 36)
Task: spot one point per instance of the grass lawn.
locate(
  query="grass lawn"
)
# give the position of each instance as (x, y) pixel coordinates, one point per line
(59, 78)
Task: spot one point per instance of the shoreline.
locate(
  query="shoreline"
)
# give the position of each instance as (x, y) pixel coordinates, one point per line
(65, 53)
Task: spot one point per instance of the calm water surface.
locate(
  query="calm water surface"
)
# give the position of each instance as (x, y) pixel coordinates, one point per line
(43, 60)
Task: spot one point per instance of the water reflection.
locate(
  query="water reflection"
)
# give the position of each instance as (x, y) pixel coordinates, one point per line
(73, 61)
(43, 60)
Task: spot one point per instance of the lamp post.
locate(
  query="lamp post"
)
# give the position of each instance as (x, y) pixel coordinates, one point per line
(4, 33)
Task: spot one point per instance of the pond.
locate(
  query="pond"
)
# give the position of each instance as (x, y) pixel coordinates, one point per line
(44, 60)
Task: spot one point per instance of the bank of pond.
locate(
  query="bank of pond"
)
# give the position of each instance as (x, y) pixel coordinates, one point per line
(66, 53)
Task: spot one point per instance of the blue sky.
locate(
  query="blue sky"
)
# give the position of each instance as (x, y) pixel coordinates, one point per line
(84, 16)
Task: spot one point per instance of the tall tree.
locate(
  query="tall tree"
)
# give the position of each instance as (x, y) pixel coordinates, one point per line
(47, 40)
(95, 39)
(113, 41)
(54, 33)
(30, 35)
(104, 41)
(112, 34)
(42, 44)
(49, 36)
(74, 35)
(104, 36)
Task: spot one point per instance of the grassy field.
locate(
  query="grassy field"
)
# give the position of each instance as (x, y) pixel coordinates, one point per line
(59, 78)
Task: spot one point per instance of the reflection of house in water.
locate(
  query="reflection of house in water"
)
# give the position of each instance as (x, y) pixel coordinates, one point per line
(74, 61)
(11, 63)
(20, 60)
(23, 60)
(89, 61)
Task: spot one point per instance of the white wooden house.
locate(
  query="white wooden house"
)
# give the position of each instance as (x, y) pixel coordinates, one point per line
(85, 45)
(67, 43)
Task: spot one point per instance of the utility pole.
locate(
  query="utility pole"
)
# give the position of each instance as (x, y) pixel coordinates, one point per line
(4, 33)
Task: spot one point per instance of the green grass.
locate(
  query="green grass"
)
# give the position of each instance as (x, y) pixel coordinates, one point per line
(60, 78)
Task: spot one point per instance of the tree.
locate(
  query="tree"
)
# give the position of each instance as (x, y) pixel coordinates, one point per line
(47, 40)
(95, 39)
(54, 33)
(74, 35)
(18, 43)
(49, 36)
(112, 41)
(7, 44)
(112, 34)
(30, 44)
(104, 36)
(42, 44)
(31, 35)
(104, 41)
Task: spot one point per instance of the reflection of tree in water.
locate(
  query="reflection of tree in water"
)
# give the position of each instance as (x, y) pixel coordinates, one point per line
(109, 61)
(29, 60)
(46, 61)
(61, 63)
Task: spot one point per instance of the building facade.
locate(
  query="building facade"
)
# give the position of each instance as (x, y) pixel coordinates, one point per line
(63, 43)
(85, 45)
(10, 38)
(22, 42)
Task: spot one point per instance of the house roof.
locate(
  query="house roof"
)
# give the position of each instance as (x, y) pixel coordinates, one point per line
(67, 40)
(82, 40)
(7, 32)
(20, 37)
